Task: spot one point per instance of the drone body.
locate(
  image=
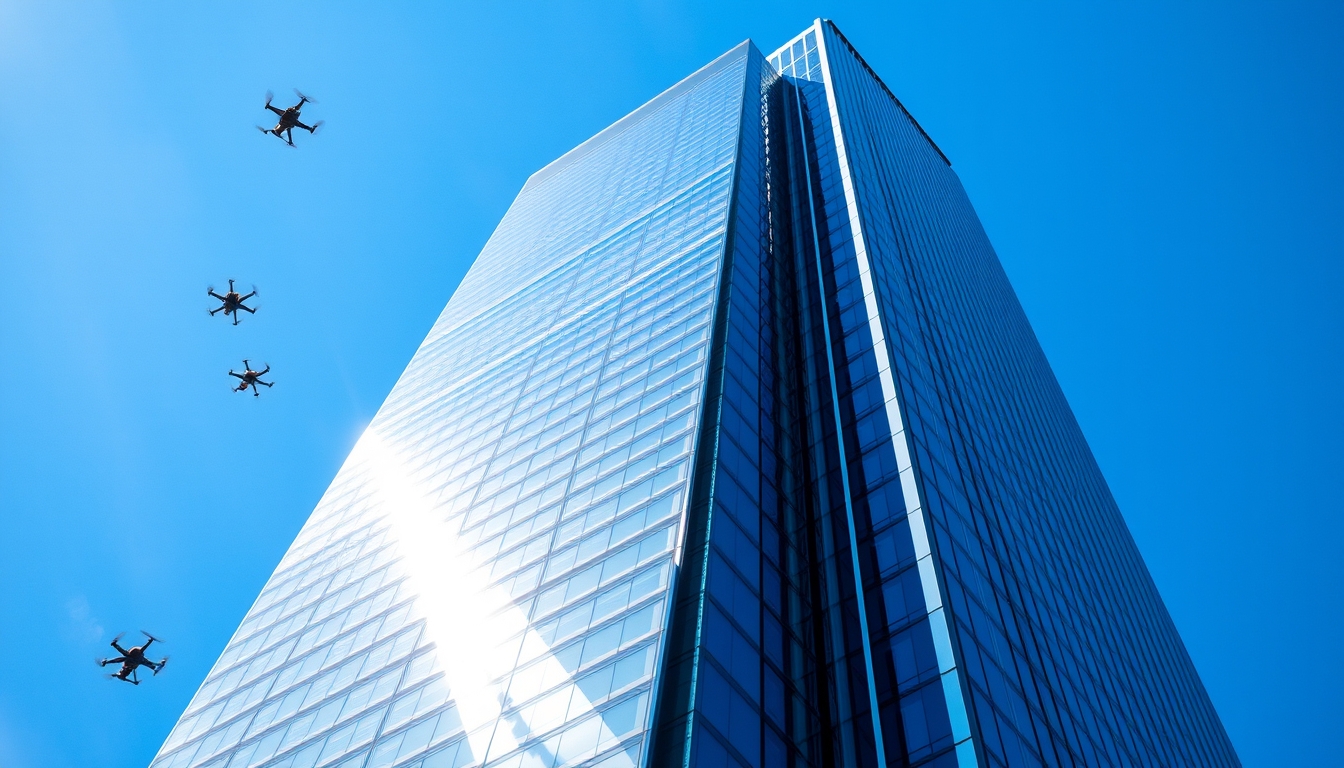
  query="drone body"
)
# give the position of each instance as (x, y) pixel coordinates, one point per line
(133, 658)
(231, 302)
(250, 378)
(289, 119)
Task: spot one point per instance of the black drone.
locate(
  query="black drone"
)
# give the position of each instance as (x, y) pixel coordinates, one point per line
(231, 302)
(132, 659)
(289, 119)
(250, 378)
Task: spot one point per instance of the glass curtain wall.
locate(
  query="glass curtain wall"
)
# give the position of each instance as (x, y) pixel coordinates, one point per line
(991, 554)
(486, 581)
(733, 448)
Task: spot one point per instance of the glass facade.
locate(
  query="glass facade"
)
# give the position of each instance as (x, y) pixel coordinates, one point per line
(734, 447)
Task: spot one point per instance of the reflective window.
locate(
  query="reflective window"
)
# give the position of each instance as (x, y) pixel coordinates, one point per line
(485, 580)
(735, 422)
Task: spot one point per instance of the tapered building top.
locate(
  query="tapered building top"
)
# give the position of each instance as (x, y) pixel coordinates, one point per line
(733, 447)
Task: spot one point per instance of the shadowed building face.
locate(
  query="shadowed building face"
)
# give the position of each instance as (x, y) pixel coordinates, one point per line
(734, 447)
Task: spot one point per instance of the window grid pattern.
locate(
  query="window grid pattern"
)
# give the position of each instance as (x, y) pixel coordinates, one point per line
(525, 482)
(1070, 655)
(738, 689)
(874, 518)
(751, 705)
(734, 447)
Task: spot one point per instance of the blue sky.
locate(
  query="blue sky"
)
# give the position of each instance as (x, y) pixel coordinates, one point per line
(1163, 182)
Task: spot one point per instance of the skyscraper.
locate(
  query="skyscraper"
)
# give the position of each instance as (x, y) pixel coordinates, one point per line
(734, 447)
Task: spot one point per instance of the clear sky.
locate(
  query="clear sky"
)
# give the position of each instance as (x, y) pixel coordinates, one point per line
(1164, 183)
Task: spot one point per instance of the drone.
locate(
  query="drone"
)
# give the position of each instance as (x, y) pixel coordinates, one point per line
(289, 119)
(250, 378)
(232, 302)
(132, 659)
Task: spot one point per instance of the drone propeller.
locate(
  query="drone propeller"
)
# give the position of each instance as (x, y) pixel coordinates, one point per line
(162, 663)
(269, 96)
(318, 126)
(120, 635)
(308, 99)
(151, 637)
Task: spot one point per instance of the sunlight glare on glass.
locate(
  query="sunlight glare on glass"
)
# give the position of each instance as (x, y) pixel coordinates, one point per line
(477, 629)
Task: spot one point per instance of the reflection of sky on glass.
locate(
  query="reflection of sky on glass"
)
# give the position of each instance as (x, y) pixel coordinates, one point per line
(486, 579)
(478, 630)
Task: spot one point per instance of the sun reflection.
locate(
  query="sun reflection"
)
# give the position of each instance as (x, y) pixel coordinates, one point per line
(478, 630)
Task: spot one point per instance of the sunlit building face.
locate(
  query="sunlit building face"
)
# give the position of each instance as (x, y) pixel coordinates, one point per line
(733, 447)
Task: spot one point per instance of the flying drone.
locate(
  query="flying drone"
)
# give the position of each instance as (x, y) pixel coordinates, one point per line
(231, 302)
(133, 658)
(289, 119)
(250, 378)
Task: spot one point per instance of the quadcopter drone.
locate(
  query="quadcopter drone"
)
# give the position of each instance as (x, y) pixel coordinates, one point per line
(289, 119)
(133, 658)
